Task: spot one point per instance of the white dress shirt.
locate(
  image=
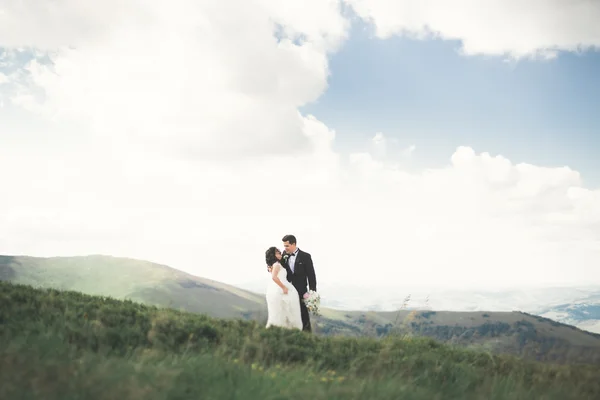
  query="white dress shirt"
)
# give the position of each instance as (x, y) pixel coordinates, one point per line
(292, 260)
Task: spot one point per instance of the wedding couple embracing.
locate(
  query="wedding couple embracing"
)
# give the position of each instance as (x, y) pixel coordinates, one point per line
(288, 297)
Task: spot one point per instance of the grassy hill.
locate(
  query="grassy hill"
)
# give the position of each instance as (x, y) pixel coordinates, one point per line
(516, 333)
(499, 332)
(67, 345)
(125, 278)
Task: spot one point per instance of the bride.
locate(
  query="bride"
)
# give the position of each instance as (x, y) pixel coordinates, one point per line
(283, 301)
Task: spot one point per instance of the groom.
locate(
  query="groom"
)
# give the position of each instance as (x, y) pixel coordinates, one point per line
(300, 270)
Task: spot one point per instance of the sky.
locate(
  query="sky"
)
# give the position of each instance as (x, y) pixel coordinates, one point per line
(448, 144)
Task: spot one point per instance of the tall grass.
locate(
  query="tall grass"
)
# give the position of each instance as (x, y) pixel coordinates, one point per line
(65, 345)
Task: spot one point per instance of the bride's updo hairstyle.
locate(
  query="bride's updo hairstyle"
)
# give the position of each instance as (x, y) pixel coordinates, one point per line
(270, 256)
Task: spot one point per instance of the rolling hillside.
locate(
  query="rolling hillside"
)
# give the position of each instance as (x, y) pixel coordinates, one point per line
(61, 345)
(500, 332)
(517, 333)
(124, 278)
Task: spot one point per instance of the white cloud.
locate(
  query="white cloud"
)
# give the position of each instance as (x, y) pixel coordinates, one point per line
(379, 144)
(193, 77)
(409, 151)
(170, 132)
(385, 148)
(26, 23)
(515, 28)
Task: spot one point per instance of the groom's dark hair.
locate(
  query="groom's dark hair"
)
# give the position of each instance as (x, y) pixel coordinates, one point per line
(291, 239)
(270, 256)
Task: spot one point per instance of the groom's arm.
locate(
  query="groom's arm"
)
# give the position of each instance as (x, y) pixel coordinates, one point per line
(310, 273)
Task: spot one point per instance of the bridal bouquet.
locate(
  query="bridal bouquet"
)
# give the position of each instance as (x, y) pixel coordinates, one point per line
(312, 301)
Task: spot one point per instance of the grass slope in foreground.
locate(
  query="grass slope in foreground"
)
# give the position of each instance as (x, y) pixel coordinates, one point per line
(67, 345)
(155, 284)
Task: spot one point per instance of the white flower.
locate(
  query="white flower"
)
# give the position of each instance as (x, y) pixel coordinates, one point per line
(313, 301)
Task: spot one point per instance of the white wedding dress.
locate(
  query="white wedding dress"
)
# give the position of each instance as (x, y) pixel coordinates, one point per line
(284, 309)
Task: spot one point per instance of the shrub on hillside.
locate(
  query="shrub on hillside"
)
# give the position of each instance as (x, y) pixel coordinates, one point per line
(107, 326)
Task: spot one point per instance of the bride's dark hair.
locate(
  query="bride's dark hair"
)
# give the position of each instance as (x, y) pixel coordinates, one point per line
(270, 257)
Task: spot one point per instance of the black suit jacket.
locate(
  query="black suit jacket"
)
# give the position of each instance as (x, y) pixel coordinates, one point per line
(304, 272)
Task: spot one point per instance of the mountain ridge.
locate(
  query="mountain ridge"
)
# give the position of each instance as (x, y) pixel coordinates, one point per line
(140, 280)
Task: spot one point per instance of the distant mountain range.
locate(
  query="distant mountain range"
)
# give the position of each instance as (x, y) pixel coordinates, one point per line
(584, 315)
(495, 329)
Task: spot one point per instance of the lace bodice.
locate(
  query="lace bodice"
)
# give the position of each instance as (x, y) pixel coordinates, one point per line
(282, 274)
